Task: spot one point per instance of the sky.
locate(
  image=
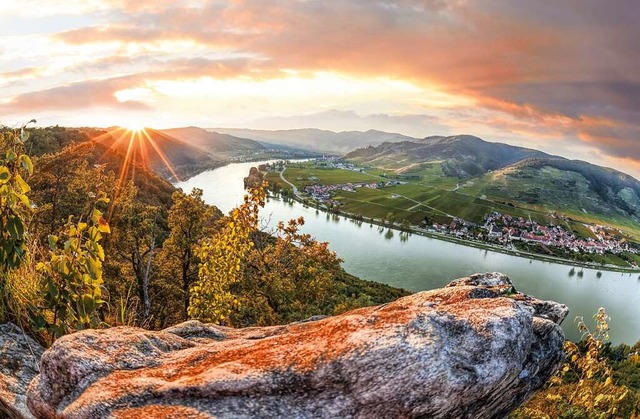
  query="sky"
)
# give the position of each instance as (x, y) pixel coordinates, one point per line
(556, 75)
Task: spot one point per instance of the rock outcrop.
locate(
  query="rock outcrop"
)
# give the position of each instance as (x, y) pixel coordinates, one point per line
(474, 349)
(19, 358)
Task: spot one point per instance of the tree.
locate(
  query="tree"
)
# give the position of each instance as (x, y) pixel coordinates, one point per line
(62, 184)
(15, 210)
(136, 238)
(72, 277)
(15, 206)
(389, 218)
(286, 278)
(249, 277)
(190, 220)
(222, 258)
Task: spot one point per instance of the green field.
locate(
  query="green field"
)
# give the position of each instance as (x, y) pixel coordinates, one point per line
(430, 195)
(302, 175)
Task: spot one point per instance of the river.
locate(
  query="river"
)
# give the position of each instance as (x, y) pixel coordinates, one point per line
(421, 263)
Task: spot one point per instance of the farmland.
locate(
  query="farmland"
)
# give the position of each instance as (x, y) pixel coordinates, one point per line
(425, 196)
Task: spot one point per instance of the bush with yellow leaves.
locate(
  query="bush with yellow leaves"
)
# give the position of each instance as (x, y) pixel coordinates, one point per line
(584, 386)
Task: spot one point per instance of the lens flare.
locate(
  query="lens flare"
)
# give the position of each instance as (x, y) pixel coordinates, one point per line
(134, 127)
(139, 147)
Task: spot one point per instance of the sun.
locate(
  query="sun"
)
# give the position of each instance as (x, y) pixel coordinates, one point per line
(134, 126)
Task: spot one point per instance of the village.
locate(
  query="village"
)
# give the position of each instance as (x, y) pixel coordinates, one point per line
(322, 193)
(505, 229)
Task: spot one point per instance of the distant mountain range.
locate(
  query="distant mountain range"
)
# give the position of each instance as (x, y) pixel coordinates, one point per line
(501, 172)
(461, 156)
(511, 173)
(321, 141)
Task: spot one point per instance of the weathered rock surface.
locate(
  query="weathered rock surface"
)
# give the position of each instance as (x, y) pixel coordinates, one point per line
(473, 349)
(19, 358)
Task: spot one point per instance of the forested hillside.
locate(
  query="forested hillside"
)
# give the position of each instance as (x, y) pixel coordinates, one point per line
(213, 142)
(96, 239)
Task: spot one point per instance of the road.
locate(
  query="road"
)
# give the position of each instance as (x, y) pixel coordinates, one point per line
(294, 187)
(418, 204)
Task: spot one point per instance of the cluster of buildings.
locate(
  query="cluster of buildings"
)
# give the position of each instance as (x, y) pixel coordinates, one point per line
(322, 193)
(337, 163)
(505, 229)
(460, 228)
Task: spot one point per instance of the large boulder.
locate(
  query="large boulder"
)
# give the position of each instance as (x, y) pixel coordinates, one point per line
(473, 349)
(19, 359)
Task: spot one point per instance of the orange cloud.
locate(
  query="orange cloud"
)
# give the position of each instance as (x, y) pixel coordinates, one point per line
(566, 70)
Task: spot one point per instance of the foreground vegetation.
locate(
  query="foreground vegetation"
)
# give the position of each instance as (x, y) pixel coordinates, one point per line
(596, 381)
(89, 240)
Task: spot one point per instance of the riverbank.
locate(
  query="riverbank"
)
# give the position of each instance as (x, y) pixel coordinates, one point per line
(465, 242)
(188, 173)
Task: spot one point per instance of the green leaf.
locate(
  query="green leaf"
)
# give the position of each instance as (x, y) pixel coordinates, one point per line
(11, 155)
(53, 289)
(15, 227)
(53, 240)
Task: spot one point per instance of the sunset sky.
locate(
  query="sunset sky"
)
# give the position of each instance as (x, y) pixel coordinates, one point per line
(562, 76)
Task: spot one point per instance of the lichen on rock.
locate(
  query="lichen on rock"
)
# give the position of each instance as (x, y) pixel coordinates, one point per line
(19, 358)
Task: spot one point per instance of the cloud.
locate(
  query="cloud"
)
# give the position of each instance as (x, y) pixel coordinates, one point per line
(81, 95)
(554, 71)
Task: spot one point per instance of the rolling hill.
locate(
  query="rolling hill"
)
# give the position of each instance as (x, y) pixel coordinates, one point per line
(321, 141)
(571, 186)
(460, 156)
(523, 177)
(57, 149)
(219, 145)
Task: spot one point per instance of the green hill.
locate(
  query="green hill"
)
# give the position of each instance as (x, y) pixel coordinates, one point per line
(219, 145)
(516, 176)
(571, 186)
(460, 156)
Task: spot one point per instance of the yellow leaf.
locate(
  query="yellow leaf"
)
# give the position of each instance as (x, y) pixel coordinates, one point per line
(103, 226)
(5, 175)
(23, 185)
(26, 163)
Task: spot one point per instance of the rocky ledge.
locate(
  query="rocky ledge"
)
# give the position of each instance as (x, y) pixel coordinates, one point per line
(475, 348)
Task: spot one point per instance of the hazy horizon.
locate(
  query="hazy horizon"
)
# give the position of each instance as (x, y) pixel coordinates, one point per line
(558, 77)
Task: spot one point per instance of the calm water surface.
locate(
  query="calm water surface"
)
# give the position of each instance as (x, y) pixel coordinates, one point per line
(421, 263)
